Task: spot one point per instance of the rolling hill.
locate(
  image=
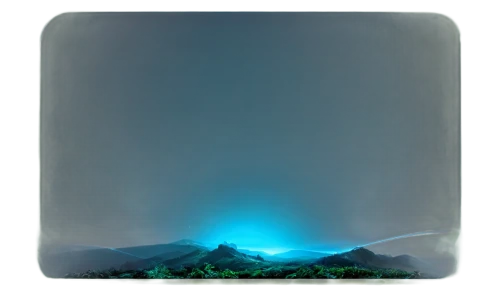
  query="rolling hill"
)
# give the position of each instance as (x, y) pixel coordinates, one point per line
(365, 258)
(58, 262)
(147, 251)
(225, 257)
(186, 254)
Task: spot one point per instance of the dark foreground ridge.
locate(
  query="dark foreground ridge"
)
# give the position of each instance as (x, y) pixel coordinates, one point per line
(226, 262)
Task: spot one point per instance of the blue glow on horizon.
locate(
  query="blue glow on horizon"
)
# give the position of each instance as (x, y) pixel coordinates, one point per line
(270, 251)
(257, 231)
(276, 250)
(273, 251)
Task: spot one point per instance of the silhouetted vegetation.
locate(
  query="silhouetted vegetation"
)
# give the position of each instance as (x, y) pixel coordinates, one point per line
(209, 271)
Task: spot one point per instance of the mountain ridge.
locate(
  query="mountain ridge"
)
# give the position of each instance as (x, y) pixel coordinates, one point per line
(226, 257)
(191, 254)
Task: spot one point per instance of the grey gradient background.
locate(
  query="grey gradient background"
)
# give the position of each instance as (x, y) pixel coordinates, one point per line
(274, 130)
(17, 81)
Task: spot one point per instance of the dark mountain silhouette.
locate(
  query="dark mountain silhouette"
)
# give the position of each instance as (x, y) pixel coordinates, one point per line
(166, 252)
(191, 259)
(365, 258)
(232, 245)
(288, 256)
(226, 257)
(223, 257)
(336, 261)
(148, 251)
(58, 262)
(190, 254)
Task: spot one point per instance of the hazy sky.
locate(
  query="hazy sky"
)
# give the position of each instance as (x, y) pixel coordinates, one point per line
(315, 130)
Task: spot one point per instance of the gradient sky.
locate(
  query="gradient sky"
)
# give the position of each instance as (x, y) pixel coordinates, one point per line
(287, 130)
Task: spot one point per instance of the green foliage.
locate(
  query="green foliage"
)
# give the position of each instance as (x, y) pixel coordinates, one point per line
(196, 274)
(209, 267)
(321, 271)
(228, 274)
(209, 271)
(257, 274)
(159, 272)
(277, 272)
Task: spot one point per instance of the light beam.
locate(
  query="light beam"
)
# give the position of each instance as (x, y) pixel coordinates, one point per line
(413, 234)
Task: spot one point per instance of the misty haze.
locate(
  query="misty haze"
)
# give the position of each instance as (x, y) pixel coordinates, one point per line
(249, 145)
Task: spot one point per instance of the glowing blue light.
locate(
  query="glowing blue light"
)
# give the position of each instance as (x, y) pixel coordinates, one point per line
(270, 251)
(252, 238)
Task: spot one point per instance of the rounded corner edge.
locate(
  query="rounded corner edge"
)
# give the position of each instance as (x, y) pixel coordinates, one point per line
(448, 21)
